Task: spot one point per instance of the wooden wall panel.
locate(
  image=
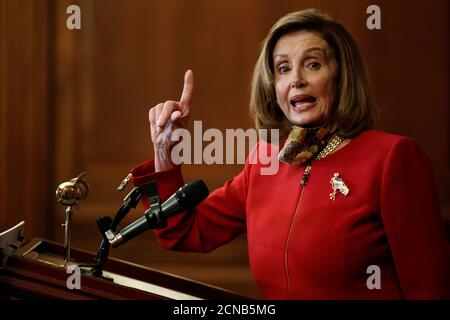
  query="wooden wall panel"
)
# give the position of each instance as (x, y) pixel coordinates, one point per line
(26, 152)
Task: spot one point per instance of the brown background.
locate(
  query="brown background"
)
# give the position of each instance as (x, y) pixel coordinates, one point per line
(73, 101)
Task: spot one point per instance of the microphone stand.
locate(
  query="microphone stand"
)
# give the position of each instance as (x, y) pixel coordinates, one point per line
(130, 201)
(106, 223)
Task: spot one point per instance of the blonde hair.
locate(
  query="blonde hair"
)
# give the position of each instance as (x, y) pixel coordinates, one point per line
(355, 108)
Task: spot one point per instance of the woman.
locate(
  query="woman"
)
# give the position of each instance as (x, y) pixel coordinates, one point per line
(352, 213)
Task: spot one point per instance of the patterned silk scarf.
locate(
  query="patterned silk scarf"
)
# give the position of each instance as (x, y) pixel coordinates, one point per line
(303, 144)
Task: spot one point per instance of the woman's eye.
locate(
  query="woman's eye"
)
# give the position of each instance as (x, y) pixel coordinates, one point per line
(283, 69)
(314, 65)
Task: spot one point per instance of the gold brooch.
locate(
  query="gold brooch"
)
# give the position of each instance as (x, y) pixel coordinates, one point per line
(337, 184)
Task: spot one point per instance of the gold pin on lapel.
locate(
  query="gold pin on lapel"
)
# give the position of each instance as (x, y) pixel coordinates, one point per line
(337, 184)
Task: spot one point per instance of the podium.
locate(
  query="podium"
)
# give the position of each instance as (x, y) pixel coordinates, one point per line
(36, 271)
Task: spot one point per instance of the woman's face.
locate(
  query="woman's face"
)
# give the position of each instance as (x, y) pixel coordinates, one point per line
(305, 78)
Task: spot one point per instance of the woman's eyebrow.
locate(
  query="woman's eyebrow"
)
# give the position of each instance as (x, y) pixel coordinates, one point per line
(279, 56)
(321, 50)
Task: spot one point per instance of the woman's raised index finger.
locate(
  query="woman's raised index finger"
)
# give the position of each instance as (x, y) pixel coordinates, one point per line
(188, 90)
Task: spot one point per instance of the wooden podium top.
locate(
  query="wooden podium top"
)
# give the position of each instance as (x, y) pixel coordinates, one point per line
(36, 270)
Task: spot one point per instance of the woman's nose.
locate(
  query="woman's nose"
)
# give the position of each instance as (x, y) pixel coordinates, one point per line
(298, 81)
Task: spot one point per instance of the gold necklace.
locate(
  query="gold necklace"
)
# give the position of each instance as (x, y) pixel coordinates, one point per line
(330, 147)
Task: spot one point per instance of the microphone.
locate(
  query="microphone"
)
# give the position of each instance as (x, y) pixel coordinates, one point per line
(187, 197)
(71, 192)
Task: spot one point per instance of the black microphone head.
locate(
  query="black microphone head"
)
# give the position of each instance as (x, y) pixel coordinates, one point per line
(192, 193)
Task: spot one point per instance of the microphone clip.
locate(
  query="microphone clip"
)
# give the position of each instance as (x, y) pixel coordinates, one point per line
(108, 226)
(153, 215)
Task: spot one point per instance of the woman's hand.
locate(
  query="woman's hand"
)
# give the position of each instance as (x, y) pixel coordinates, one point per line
(164, 118)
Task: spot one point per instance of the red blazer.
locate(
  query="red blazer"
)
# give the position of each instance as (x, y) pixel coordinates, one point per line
(303, 245)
